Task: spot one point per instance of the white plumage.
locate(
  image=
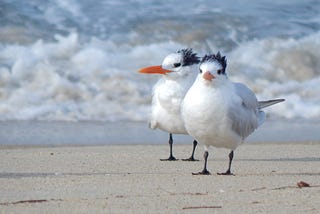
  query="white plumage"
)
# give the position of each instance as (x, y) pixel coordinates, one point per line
(179, 71)
(218, 112)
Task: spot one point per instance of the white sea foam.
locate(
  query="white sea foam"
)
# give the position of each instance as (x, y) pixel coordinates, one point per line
(84, 64)
(70, 80)
(97, 80)
(282, 68)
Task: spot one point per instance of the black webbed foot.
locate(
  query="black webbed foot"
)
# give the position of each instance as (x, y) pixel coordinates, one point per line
(228, 172)
(171, 158)
(190, 159)
(203, 172)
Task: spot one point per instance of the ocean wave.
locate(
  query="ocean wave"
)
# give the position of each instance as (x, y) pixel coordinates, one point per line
(286, 68)
(72, 79)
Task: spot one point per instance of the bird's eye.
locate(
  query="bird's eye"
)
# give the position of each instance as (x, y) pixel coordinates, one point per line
(200, 71)
(219, 71)
(176, 65)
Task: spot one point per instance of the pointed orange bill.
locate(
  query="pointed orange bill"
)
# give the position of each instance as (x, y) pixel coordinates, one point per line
(154, 70)
(208, 76)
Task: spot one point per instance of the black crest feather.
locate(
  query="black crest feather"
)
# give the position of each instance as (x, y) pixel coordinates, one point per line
(189, 58)
(216, 58)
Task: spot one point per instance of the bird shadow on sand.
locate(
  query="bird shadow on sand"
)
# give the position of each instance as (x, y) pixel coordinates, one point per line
(301, 159)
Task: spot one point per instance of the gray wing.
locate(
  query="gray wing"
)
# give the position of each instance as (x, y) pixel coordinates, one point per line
(249, 99)
(245, 115)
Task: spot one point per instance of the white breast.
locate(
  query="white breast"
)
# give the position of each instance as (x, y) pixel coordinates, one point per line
(167, 97)
(205, 114)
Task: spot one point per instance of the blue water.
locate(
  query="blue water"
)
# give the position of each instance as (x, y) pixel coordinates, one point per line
(75, 60)
(57, 133)
(225, 23)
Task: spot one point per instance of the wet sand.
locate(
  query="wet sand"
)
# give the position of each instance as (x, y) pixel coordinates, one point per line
(132, 179)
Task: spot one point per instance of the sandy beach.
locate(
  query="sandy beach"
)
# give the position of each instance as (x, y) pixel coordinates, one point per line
(132, 179)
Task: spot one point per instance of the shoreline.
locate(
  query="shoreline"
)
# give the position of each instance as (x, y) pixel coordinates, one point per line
(35, 146)
(131, 178)
(110, 133)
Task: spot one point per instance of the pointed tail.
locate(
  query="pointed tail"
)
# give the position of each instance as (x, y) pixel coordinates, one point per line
(264, 104)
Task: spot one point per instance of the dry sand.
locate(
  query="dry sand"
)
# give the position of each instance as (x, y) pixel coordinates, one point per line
(131, 179)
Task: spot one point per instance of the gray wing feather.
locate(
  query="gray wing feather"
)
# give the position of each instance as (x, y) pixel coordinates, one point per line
(245, 117)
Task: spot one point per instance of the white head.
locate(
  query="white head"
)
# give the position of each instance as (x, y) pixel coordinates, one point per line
(175, 64)
(213, 69)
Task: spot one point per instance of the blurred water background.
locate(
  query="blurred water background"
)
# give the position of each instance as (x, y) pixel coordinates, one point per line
(68, 68)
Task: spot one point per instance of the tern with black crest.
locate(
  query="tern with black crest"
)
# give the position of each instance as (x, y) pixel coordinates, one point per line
(218, 112)
(179, 71)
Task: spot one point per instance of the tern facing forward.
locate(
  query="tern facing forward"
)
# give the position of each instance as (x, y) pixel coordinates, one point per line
(179, 72)
(218, 112)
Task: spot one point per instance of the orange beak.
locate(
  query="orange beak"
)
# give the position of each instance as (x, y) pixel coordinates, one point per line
(208, 76)
(154, 70)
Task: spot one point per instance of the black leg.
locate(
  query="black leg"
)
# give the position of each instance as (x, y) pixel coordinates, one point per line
(195, 143)
(171, 158)
(204, 171)
(228, 172)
